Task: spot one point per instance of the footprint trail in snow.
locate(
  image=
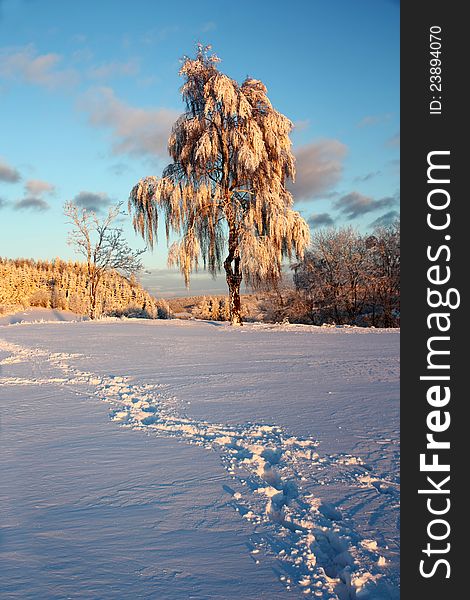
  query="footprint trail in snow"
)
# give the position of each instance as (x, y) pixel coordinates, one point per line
(273, 480)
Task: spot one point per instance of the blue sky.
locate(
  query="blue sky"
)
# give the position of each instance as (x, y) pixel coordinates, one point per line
(88, 92)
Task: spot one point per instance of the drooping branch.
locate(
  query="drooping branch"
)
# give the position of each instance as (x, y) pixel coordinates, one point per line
(224, 193)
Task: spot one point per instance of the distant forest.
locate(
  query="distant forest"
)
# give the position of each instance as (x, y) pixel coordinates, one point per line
(345, 278)
(64, 285)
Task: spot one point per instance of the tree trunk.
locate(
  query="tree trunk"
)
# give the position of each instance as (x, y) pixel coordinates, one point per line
(233, 274)
(234, 282)
(94, 283)
(93, 304)
(234, 279)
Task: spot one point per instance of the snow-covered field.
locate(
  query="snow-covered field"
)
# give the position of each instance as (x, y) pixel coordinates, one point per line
(174, 460)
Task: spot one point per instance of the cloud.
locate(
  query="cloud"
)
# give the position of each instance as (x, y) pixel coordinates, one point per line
(3, 203)
(79, 38)
(34, 190)
(387, 219)
(158, 35)
(82, 55)
(209, 26)
(92, 201)
(119, 169)
(355, 204)
(321, 220)
(319, 167)
(371, 120)
(25, 64)
(394, 141)
(134, 131)
(367, 176)
(32, 203)
(301, 124)
(36, 187)
(8, 174)
(114, 69)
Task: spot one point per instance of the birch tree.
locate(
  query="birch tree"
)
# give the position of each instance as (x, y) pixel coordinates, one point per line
(224, 194)
(351, 278)
(384, 249)
(103, 246)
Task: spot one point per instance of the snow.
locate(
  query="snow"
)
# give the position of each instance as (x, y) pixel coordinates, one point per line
(39, 315)
(171, 459)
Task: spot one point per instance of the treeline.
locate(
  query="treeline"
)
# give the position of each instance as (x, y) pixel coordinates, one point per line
(64, 285)
(215, 308)
(344, 278)
(347, 278)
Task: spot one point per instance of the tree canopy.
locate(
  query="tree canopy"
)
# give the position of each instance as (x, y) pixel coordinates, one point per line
(224, 193)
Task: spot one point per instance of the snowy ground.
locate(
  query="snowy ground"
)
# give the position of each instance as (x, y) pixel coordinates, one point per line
(39, 315)
(175, 460)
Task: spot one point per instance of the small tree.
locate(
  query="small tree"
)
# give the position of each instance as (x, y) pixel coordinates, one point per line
(103, 246)
(58, 299)
(334, 274)
(224, 310)
(347, 277)
(214, 308)
(40, 298)
(225, 192)
(163, 310)
(384, 256)
(203, 309)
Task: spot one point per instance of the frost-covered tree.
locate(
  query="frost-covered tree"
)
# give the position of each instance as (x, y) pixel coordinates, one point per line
(103, 245)
(225, 192)
(214, 308)
(163, 310)
(224, 310)
(334, 273)
(203, 309)
(65, 285)
(346, 277)
(384, 251)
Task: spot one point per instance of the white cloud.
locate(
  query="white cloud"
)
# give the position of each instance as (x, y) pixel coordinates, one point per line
(301, 125)
(113, 69)
(82, 55)
(319, 167)
(158, 35)
(208, 26)
(394, 141)
(370, 120)
(34, 192)
(36, 187)
(25, 64)
(136, 131)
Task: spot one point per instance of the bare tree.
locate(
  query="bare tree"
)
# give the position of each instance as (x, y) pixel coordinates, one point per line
(103, 246)
(384, 256)
(350, 278)
(333, 274)
(224, 193)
